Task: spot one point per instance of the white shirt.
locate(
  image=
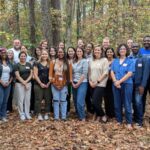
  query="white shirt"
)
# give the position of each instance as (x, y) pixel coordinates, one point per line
(5, 74)
(16, 55)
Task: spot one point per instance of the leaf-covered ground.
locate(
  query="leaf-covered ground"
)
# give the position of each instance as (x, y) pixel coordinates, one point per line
(71, 135)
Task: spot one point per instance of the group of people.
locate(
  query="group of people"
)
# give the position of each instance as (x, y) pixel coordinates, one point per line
(92, 74)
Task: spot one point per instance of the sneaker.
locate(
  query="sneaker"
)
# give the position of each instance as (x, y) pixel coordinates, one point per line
(4, 120)
(104, 119)
(23, 117)
(29, 117)
(137, 126)
(129, 126)
(40, 118)
(46, 117)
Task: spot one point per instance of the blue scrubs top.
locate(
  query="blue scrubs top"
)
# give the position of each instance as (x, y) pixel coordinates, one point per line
(120, 70)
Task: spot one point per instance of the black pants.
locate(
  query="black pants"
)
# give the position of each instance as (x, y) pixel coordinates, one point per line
(109, 100)
(32, 99)
(69, 98)
(147, 89)
(9, 103)
(88, 100)
(98, 93)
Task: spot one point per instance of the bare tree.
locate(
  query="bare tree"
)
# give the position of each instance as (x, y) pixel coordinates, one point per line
(56, 24)
(46, 21)
(32, 21)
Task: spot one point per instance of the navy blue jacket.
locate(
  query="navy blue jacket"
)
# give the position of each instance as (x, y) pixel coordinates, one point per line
(142, 71)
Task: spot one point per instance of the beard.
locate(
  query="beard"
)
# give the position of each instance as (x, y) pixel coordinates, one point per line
(147, 45)
(17, 47)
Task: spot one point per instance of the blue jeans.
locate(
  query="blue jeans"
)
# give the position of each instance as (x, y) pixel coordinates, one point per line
(138, 107)
(59, 99)
(123, 97)
(79, 95)
(4, 94)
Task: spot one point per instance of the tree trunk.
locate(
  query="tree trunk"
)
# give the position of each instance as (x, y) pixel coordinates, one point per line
(78, 11)
(56, 24)
(16, 26)
(32, 21)
(46, 21)
(69, 13)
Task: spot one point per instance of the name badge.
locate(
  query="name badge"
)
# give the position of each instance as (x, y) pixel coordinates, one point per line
(27, 67)
(139, 65)
(125, 65)
(60, 78)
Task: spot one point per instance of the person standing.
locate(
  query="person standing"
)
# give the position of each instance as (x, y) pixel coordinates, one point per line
(122, 70)
(79, 83)
(142, 71)
(42, 85)
(6, 70)
(145, 52)
(59, 77)
(98, 75)
(16, 49)
(23, 73)
(109, 98)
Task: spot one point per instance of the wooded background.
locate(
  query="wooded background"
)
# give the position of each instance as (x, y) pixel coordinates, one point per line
(68, 20)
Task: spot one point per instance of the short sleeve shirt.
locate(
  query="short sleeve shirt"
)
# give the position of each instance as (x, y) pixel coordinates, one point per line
(120, 70)
(24, 70)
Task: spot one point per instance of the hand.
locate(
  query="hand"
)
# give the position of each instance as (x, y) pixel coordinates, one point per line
(47, 85)
(93, 84)
(27, 87)
(4, 84)
(42, 85)
(75, 85)
(141, 90)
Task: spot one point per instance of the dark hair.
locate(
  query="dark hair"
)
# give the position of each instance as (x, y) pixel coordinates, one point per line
(3, 49)
(68, 50)
(127, 49)
(91, 44)
(66, 65)
(35, 54)
(54, 50)
(100, 49)
(76, 58)
(147, 36)
(22, 53)
(110, 48)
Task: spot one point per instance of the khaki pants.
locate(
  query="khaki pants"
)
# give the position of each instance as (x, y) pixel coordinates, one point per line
(23, 98)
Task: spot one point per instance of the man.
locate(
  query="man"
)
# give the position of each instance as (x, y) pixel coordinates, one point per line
(145, 52)
(140, 81)
(16, 49)
(105, 44)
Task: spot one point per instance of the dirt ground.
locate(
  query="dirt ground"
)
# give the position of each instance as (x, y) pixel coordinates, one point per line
(72, 134)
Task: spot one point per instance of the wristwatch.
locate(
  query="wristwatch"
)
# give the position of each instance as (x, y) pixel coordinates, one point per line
(98, 82)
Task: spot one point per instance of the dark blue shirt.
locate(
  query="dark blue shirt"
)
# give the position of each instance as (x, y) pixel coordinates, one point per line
(120, 70)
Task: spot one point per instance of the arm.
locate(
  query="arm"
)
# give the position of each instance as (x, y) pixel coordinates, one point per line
(51, 71)
(18, 77)
(35, 72)
(30, 76)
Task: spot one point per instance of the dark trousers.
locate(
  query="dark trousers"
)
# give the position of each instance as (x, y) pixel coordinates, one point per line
(32, 100)
(69, 97)
(97, 95)
(147, 89)
(9, 103)
(109, 100)
(88, 100)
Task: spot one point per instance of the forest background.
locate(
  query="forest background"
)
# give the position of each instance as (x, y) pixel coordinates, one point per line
(68, 20)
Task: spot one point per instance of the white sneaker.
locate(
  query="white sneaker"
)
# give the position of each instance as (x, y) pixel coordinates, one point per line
(23, 117)
(104, 119)
(29, 117)
(46, 117)
(4, 120)
(40, 118)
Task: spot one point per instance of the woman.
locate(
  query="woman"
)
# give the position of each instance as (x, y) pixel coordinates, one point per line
(10, 54)
(37, 53)
(52, 53)
(24, 49)
(98, 75)
(121, 72)
(23, 73)
(44, 44)
(71, 57)
(109, 98)
(59, 76)
(42, 85)
(79, 84)
(5, 83)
